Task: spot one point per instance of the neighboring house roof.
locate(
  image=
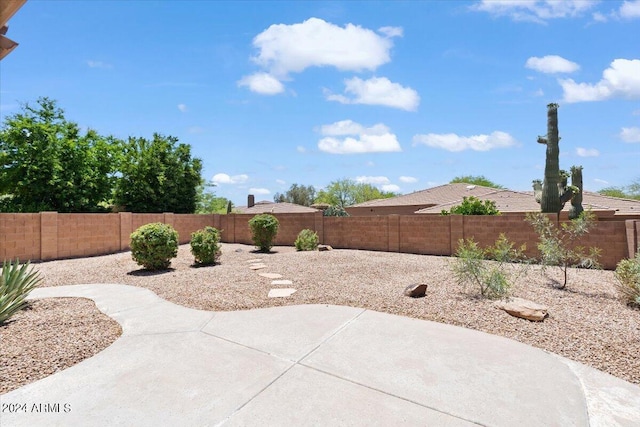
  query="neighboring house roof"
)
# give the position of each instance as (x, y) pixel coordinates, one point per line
(272, 207)
(7, 9)
(524, 201)
(431, 196)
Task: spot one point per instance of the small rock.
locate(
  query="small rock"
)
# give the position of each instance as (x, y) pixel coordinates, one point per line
(324, 248)
(417, 290)
(523, 308)
(270, 275)
(239, 250)
(257, 266)
(281, 282)
(254, 261)
(280, 293)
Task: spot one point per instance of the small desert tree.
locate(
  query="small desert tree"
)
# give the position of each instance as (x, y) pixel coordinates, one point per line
(558, 245)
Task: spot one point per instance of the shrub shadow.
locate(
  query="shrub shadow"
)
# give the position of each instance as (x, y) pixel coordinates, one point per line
(143, 272)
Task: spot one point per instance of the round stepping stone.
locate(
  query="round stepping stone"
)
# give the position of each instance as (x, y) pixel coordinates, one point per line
(281, 282)
(257, 266)
(271, 275)
(281, 293)
(255, 260)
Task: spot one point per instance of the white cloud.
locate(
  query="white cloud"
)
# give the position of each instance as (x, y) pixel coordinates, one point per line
(98, 64)
(630, 135)
(391, 31)
(534, 10)
(390, 188)
(284, 49)
(551, 64)
(599, 17)
(182, 107)
(300, 149)
(600, 181)
(630, 9)
(377, 91)
(453, 142)
(635, 113)
(223, 178)
(357, 138)
(259, 191)
(281, 181)
(621, 79)
(262, 83)
(587, 152)
(408, 179)
(539, 92)
(374, 180)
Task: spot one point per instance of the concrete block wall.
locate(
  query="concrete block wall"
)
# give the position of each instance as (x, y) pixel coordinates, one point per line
(49, 235)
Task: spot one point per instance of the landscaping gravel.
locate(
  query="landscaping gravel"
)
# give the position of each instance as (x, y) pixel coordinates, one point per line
(587, 321)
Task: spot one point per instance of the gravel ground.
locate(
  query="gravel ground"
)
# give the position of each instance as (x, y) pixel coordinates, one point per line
(587, 322)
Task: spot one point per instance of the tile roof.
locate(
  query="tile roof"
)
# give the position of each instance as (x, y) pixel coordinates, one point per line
(431, 196)
(272, 207)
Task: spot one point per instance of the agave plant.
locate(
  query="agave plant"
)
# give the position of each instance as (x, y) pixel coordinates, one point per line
(16, 283)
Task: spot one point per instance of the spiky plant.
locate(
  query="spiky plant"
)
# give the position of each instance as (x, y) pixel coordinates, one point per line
(550, 200)
(16, 283)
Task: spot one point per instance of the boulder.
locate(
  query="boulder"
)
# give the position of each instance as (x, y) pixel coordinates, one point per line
(324, 248)
(417, 290)
(523, 308)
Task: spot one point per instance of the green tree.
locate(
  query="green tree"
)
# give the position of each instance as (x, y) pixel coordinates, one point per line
(158, 176)
(208, 202)
(347, 192)
(47, 164)
(298, 194)
(475, 180)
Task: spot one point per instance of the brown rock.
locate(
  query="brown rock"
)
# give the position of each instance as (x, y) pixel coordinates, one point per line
(324, 248)
(523, 308)
(417, 290)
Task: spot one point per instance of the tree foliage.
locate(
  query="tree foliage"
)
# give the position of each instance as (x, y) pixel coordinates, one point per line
(347, 192)
(475, 180)
(473, 206)
(46, 164)
(207, 201)
(298, 194)
(158, 176)
(631, 191)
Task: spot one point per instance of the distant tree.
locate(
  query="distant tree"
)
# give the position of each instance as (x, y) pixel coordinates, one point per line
(208, 202)
(158, 176)
(347, 192)
(46, 164)
(475, 180)
(298, 194)
(631, 191)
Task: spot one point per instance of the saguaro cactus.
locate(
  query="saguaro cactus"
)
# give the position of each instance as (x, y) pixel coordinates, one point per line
(550, 199)
(576, 200)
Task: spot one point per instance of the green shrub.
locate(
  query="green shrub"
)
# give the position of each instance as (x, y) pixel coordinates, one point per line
(307, 240)
(153, 245)
(557, 244)
(628, 284)
(490, 277)
(205, 245)
(473, 206)
(264, 228)
(16, 283)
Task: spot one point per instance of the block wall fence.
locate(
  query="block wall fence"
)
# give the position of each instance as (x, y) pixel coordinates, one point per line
(52, 235)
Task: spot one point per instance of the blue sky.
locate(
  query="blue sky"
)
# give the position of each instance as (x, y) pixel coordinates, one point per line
(402, 95)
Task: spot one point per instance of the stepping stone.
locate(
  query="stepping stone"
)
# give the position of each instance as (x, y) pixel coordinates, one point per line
(281, 293)
(271, 275)
(254, 260)
(281, 282)
(257, 266)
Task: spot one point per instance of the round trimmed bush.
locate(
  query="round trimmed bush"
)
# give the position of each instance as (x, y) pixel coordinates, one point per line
(153, 245)
(307, 240)
(264, 228)
(205, 245)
